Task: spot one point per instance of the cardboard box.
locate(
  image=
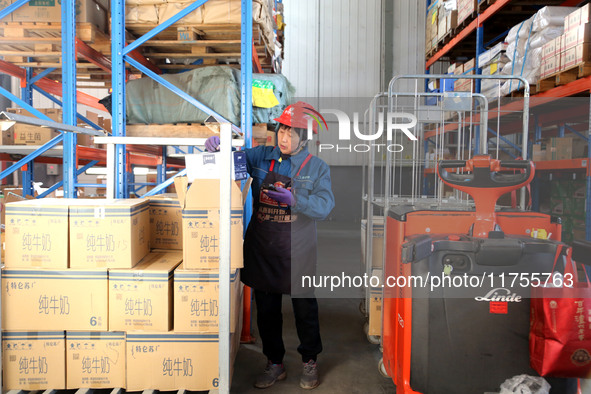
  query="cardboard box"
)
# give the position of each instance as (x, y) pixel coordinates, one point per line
(201, 222)
(37, 233)
(459, 70)
(538, 153)
(375, 306)
(466, 8)
(90, 11)
(24, 134)
(377, 241)
(560, 148)
(140, 298)
(8, 137)
(207, 165)
(166, 222)
(551, 66)
(570, 58)
(572, 20)
(578, 35)
(196, 300)
(452, 68)
(441, 29)
(222, 11)
(563, 61)
(583, 53)
(271, 138)
(108, 233)
(585, 13)
(548, 50)
(95, 359)
(469, 67)
(34, 360)
(451, 19)
(171, 361)
(10, 193)
(36, 299)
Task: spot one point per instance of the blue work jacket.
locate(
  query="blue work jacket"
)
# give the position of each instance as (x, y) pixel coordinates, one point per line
(311, 188)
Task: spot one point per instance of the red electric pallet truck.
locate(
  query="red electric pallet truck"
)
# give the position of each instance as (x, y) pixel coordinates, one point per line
(470, 335)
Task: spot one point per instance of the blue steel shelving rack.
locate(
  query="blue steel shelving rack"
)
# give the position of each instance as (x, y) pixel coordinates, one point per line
(121, 54)
(582, 85)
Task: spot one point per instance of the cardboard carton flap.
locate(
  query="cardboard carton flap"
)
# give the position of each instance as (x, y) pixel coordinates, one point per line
(181, 184)
(205, 193)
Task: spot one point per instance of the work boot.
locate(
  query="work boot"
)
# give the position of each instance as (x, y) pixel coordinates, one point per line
(271, 374)
(309, 378)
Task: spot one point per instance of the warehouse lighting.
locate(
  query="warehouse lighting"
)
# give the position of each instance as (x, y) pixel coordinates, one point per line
(7, 120)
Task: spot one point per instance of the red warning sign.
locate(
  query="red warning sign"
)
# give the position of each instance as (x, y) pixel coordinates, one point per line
(500, 308)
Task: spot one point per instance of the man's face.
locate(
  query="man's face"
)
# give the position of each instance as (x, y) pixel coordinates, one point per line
(286, 140)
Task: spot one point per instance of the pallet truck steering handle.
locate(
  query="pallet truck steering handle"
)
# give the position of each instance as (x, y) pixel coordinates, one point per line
(486, 174)
(485, 183)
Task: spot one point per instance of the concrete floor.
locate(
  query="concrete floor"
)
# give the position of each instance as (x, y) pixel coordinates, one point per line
(349, 363)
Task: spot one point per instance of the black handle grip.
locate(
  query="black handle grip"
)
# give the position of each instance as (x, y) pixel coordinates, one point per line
(452, 163)
(483, 177)
(514, 163)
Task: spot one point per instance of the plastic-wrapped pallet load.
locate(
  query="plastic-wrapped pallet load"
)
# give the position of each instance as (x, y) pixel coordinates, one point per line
(218, 87)
(525, 41)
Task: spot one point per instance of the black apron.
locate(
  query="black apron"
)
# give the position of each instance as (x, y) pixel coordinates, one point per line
(274, 239)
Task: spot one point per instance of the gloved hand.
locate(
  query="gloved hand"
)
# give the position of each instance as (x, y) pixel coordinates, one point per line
(212, 144)
(282, 195)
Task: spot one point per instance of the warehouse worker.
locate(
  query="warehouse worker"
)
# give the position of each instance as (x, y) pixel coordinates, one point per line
(291, 190)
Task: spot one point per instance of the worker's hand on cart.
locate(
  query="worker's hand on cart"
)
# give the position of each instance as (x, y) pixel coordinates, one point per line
(212, 144)
(281, 195)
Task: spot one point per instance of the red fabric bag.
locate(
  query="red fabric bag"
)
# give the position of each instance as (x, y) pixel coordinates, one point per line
(560, 325)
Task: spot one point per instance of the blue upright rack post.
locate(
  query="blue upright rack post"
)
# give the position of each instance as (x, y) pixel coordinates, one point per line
(28, 175)
(69, 95)
(477, 83)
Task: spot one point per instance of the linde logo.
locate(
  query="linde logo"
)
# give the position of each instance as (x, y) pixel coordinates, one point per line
(394, 121)
(499, 295)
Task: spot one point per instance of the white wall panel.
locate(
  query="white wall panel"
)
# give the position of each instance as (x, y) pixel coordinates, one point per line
(332, 49)
(409, 40)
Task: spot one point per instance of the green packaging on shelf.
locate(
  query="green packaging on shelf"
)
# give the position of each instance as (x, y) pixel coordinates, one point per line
(557, 206)
(579, 188)
(561, 189)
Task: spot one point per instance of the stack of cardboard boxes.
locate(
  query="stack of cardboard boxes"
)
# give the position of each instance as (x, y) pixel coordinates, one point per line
(572, 48)
(558, 148)
(87, 305)
(468, 68)
(439, 23)
(431, 27)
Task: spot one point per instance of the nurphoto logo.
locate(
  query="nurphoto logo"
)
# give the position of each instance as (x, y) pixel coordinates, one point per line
(393, 121)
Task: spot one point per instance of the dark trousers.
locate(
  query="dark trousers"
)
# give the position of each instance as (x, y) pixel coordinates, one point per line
(270, 323)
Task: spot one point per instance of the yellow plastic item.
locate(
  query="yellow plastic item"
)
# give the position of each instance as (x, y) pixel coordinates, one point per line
(539, 233)
(262, 94)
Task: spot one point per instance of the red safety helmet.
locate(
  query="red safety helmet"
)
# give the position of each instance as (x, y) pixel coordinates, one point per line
(298, 114)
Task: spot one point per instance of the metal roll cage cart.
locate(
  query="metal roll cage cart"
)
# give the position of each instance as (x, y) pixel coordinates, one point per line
(430, 110)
